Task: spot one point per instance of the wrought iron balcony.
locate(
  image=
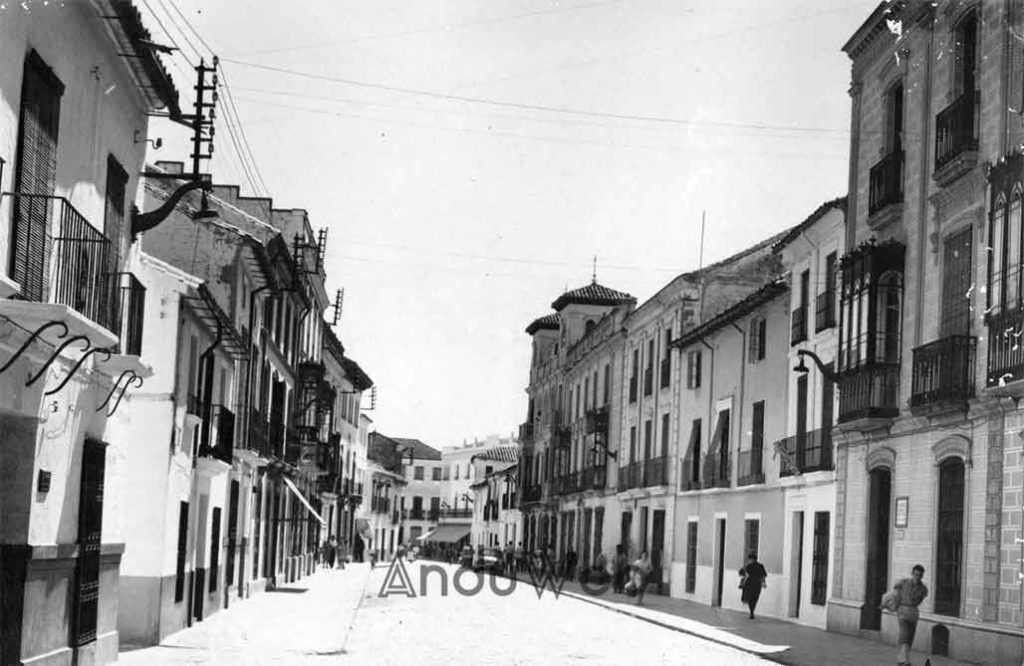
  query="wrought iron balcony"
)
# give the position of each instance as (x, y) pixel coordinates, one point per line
(886, 182)
(717, 470)
(416, 514)
(597, 421)
(1005, 350)
(944, 371)
(690, 475)
(810, 453)
(566, 484)
(750, 470)
(956, 129)
(631, 476)
(655, 471)
(328, 483)
(433, 515)
(531, 493)
(467, 513)
(870, 391)
(526, 432)
(666, 370)
(798, 332)
(825, 311)
(130, 307)
(562, 436)
(648, 381)
(73, 268)
(217, 433)
(257, 437)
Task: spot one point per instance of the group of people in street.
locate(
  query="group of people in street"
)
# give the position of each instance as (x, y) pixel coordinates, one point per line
(631, 577)
(332, 553)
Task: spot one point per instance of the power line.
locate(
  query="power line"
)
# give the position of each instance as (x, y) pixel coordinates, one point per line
(167, 32)
(189, 26)
(184, 35)
(241, 128)
(537, 107)
(416, 31)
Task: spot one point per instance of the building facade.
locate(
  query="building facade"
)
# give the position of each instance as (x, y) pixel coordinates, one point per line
(76, 88)
(927, 461)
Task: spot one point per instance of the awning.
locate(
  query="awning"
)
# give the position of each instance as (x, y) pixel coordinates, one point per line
(363, 527)
(428, 536)
(291, 487)
(449, 533)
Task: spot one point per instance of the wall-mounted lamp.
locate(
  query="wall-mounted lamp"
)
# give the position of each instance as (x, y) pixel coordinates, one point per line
(157, 143)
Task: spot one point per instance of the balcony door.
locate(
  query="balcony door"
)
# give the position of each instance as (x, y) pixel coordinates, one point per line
(35, 174)
(956, 284)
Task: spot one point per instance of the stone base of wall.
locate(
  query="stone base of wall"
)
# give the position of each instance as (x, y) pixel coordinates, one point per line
(968, 641)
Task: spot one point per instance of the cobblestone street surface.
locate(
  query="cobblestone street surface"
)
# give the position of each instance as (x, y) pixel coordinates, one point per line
(339, 617)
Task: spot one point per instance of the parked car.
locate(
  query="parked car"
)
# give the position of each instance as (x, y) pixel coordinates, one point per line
(466, 558)
(490, 559)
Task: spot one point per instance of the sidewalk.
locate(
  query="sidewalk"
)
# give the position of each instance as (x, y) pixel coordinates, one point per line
(308, 620)
(777, 640)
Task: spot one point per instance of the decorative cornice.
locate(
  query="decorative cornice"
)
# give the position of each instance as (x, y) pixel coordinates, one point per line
(881, 457)
(954, 446)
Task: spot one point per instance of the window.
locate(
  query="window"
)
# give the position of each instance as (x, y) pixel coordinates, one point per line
(950, 538)
(417, 507)
(632, 444)
(691, 556)
(113, 213)
(693, 369)
(633, 377)
(966, 56)
(799, 320)
(751, 537)
(664, 434)
(455, 471)
(649, 370)
(757, 429)
(35, 172)
(607, 382)
(870, 304)
(691, 462)
(894, 119)
(418, 473)
(214, 549)
(647, 439)
(825, 312)
(819, 559)
(956, 283)
(436, 474)
(435, 507)
(179, 575)
(593, 403)
(666, 359)
(755, 339)
(890, 306)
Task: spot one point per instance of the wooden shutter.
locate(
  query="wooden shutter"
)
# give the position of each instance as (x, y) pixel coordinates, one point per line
(35, 174)
(179, 575)
(214, 549)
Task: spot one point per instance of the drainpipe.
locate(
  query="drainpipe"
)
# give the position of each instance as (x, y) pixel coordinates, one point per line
(743, 384)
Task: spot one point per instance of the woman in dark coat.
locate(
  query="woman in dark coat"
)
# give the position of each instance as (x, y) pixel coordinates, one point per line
(754, 577)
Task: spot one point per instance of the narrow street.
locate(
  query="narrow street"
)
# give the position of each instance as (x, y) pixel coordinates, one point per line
(338, 616)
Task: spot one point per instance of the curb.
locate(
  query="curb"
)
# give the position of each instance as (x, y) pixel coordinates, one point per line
(776, 658)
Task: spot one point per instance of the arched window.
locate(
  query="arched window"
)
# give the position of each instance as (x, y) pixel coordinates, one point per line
(589, 326)
(888, 317)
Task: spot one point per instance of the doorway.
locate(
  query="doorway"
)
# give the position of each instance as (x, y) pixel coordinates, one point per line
(876, 580)
(625, 529)
(716, 594)
(658, 550)
(796, 565)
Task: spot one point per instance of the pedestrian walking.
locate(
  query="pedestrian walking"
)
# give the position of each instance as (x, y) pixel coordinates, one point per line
(911, 593)
(330, 551)
(641, 571)
(509, 564)
(753, 578)
(570, 564)
(519, 559)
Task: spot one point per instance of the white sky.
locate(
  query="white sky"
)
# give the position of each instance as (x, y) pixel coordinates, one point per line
(454, 223)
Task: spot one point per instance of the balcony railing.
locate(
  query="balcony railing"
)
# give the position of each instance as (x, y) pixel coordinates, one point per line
(526, 432)
(648, 381)
(798, 331)
(956, 129)
(750, 470)
(416, 514)
(218, 434)
(825, 311)
(886, 182)
(597, 421)
(380, 505)
(809, 453)
(130, 304)
(690, 475)
(530, 493)
(944, 371)
(566, 484)
(717, 470)
(1005, 351)
(871, 391)
(562, 436)
(666, 371)
(655, 471)
(73, 268)
(433, 515)
(257, 437)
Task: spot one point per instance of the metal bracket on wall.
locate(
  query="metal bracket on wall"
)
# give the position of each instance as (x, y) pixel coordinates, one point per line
(35, 335)
(133, 378)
